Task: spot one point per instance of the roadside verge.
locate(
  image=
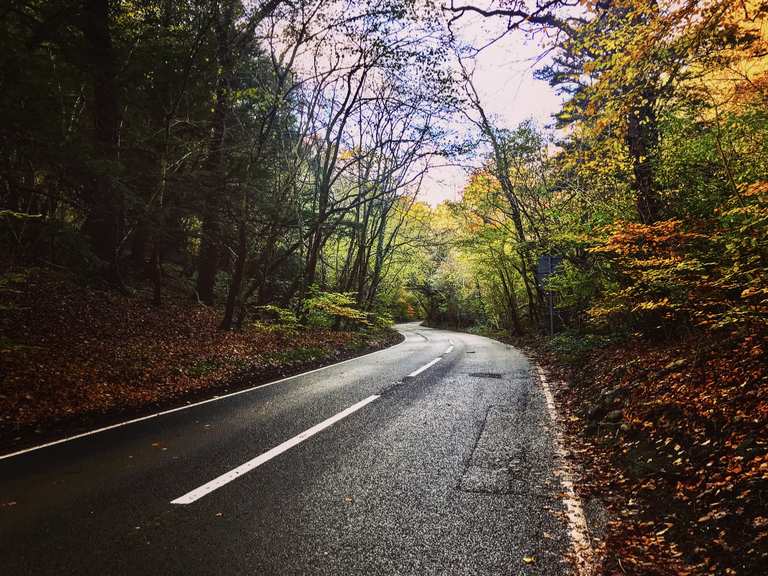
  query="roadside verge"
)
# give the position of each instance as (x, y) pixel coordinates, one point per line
(216, 378)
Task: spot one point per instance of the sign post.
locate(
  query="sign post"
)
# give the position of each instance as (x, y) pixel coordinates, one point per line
(547, 265)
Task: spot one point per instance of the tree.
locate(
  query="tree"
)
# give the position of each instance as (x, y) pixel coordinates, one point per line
(234, 37)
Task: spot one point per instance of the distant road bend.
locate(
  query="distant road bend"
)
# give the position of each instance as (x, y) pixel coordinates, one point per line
(435, 456)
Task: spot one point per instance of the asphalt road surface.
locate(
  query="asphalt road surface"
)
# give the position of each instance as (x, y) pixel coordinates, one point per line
(434, 456)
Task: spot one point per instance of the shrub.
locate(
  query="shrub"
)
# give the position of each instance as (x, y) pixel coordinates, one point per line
(276, 315)
(572, 346)
(334, 310)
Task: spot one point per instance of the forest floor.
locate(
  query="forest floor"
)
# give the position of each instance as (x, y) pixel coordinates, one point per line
(671, 438)
(74, 357)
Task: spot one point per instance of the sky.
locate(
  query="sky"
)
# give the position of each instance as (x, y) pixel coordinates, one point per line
(508, 92)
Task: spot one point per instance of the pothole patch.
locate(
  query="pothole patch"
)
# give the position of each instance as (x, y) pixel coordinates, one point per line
(493, 375)
(511, 454)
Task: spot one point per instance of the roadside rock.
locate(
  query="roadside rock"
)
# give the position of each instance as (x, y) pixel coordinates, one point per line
(597, 411)
(614, 416)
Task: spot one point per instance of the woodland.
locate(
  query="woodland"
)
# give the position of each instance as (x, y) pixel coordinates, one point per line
(193, 188)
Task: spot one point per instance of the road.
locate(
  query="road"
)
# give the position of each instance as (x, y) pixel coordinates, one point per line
(391, 463)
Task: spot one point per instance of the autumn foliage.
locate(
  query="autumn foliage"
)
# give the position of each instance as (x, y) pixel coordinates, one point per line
(709, 274)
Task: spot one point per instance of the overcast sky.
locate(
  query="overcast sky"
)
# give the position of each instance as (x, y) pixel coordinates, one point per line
(508, 91)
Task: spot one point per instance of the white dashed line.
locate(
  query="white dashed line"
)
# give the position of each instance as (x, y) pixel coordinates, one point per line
(235, 473)
(420, 370)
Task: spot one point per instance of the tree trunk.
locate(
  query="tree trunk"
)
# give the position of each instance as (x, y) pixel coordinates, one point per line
(378, 264)
(316, 244)
(511, 298)
(139, 245)
(642, 141)
(215, 185)
(157, 276)
(104, 224)
(235, 286)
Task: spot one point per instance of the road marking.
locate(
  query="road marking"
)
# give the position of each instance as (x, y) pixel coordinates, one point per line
(577, 523)
(420, 370)
(235, 473)
(448, 350)
(186, 406)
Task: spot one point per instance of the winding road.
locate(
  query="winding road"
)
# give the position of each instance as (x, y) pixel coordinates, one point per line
(434, 456)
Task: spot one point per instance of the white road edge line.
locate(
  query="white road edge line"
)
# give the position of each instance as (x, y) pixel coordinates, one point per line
(420, 370)
(235, 473)
(448, 350)
(577, 523)
(186, 406)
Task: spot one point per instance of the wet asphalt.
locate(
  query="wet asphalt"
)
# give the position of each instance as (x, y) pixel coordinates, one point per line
(448, 472)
